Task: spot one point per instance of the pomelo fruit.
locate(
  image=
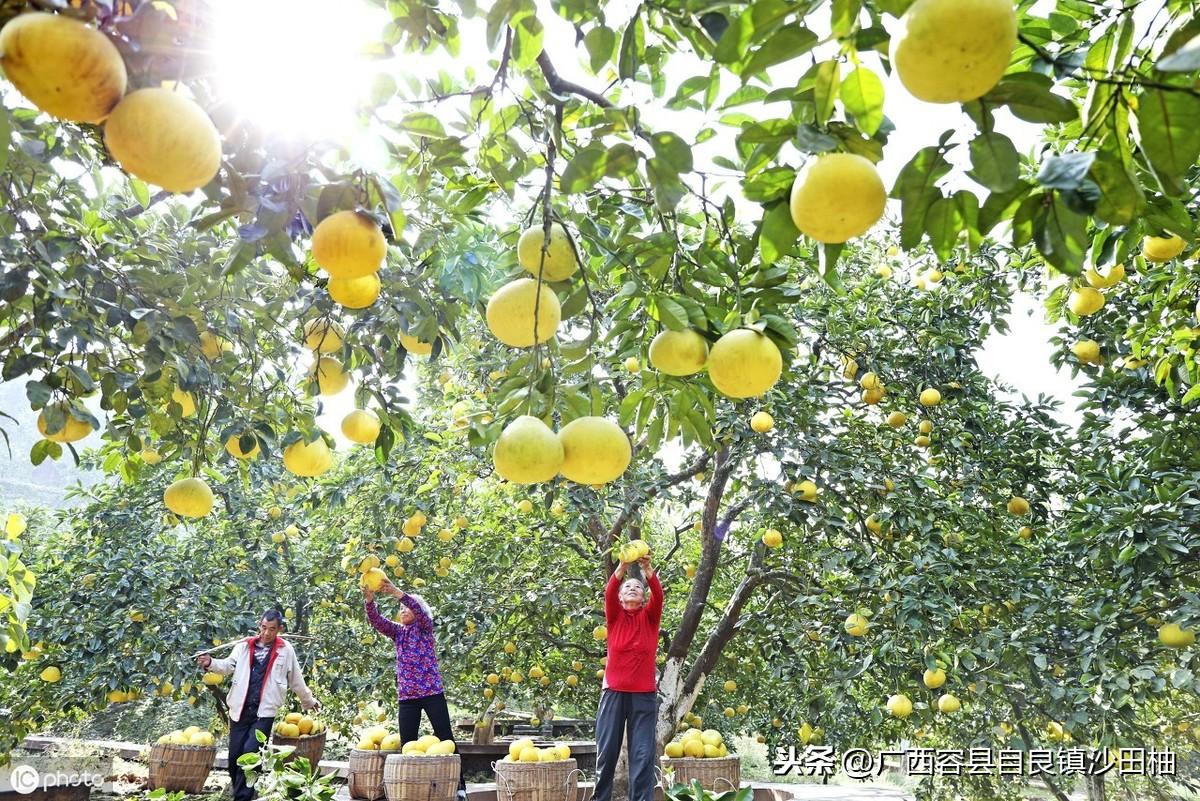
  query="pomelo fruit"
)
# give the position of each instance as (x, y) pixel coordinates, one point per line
(510, 313)
(165, 139)
(837, 196)
(560, 262)
(189, 497)
(954, 51)
(527, 452)
(595, 450)
(679, 353)
(744, 364)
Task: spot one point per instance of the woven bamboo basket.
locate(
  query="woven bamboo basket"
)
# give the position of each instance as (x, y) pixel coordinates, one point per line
(537, 781)
(311, 746)
(180, 767)
(364, 776)
(715, 774)
(421, 778)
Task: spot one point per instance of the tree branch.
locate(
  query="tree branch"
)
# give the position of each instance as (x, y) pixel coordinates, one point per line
(670, 481)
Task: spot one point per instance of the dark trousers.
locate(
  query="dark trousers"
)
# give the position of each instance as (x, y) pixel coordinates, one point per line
(242, 740)
(637, 712)
(437, 711)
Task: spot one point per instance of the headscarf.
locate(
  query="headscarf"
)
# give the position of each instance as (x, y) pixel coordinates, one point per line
(421, 603)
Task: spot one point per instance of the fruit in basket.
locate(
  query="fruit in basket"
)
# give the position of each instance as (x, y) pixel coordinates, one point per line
(674, 750)
(517, 746)
(286, 729)
(201, 738)
(390, 743)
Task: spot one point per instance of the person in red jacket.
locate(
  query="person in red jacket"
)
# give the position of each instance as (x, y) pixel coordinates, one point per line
(629, 697)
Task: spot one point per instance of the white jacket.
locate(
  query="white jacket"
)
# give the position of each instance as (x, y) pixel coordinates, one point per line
(283, 672)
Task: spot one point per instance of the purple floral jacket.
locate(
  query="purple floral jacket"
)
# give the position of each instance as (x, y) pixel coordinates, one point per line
(417, 674)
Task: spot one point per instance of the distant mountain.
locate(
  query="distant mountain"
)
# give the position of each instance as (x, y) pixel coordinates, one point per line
(47, 483)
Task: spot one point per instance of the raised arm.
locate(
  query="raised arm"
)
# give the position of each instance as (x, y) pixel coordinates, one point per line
(612, 591)
(379, 622)
(222, 666)
(655, 608)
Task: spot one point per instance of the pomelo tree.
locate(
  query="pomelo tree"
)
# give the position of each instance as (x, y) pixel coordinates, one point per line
(176, 279)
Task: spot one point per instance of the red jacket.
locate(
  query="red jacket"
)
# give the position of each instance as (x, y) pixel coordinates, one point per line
(632, 639)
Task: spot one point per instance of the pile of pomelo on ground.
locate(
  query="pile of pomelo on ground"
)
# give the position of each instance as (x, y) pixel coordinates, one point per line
(523, 750)
(192, 735)
(295, 724)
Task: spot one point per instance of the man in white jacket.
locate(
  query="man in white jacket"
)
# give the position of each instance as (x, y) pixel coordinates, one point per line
(263, 669)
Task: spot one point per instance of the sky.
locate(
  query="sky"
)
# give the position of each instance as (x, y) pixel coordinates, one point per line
(271, 75)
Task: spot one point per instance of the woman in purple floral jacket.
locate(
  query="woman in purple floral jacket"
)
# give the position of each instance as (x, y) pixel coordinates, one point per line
(418, 680)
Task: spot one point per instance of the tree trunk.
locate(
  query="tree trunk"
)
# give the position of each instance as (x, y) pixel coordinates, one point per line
(1094, 784)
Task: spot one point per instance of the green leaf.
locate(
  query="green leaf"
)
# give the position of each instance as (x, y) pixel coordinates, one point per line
(785, 44)
(1121, 196)
(671, 313)
(622, 160)
(1001, 205)
(1066, 171)
(527, 44)
(1061, 236)
(1028, 97)
(916, 189)
(140, 191)
(768, 184)
(383, 88)
(779, 234)
(585, 169)
(829, 255)
(943, 223)
(844, 16)
(5, 137)
(672, 149)
(633, 48)
(1169, 129)
(422, 123)
(862, 94)
(599, 42)
(1185, 59)
(994, 162)
(825, 88)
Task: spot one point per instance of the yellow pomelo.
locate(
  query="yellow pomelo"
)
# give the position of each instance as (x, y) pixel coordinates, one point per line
(1162, 248)
(899, 706)
(930, 397)
(595, 450)
(679, 352)
(355, 293)
(186, 401)
(323, 335)
(762, 422)
(72, 430)
(772, 538)
(51, 675)
(415, 346)
(373, 579)
(897, 419)
(948, 704)
(1173, 635)
(744, 364)
(1101, 281)
(165, 139)
(674, 750)
(331, 378)
(307, 459)
(953, 51)
(64, 67)
(234, 448)
(560, 262)
(361, 426)
(189, 497)
(1085, 300)
(837, 196)
(856, 625)
(528, 452)
(1087, 351)
(348, 244)
(212, 346)
(510, 313)
(934, 678)
(1018, 505)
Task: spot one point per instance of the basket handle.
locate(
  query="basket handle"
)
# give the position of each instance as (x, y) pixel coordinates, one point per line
(722, 779)
(502, 779)
(662, 778)
(567, 794)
